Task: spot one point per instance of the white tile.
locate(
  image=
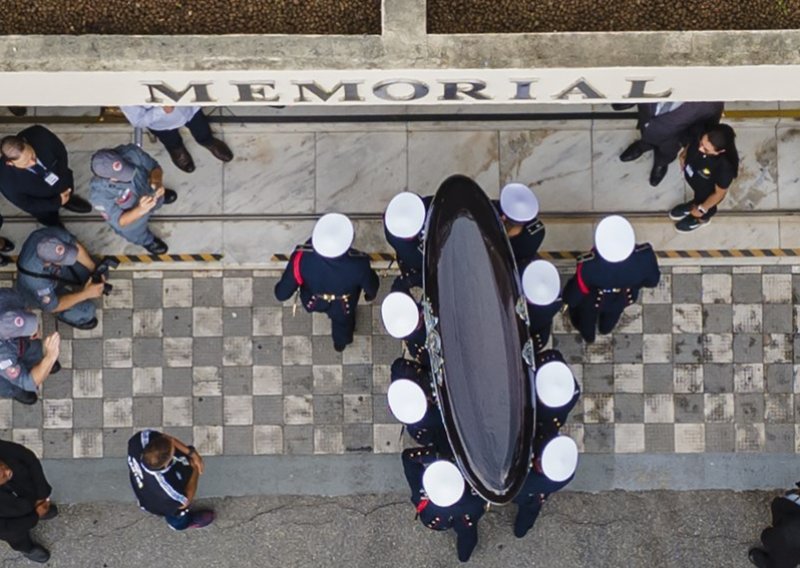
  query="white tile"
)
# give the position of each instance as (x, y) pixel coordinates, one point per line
(177, 292)
(117, 412)
(147, 380)
(87, 444)
(237, 410)
(208, 440)
(206, 381)
(267, 380)
(267, 439)
(628, 438)
(690, 438)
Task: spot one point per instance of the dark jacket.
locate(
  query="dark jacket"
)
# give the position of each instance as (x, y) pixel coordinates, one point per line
(18, 495)
(782, 539)
(28, 190)
(671, 130)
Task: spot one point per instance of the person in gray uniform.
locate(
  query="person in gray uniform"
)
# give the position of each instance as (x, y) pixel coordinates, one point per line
(55, 276)
(126, 188)
(25, 360)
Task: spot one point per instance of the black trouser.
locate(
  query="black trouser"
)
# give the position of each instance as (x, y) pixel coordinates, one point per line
(342, 313)
(528, 512)
(198, 126)
(19, 541)
(603, 312)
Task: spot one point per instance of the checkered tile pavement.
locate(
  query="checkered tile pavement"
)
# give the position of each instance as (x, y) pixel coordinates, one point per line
(705, 363)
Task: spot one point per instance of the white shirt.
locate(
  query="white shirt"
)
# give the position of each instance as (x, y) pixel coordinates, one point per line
(155, 118)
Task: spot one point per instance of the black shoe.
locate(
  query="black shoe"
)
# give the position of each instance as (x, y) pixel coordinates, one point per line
(78, 205)
(157, 247)
(170, 196)
(26, 397)
(8, 245)
(91, 324)
(4, 260)
(51, 513)
(37, 554)
(182, 158)
(690, 223)
(632, 152)
(18, 111)
(680, 211)
(220, 150)
(657, 174)
(758, 557)
(56, 368)
(339, 348)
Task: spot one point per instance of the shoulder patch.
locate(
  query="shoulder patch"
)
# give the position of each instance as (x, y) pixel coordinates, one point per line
(535, 226)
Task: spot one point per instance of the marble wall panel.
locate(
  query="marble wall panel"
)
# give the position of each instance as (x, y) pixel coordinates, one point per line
(359, 172)
(556, 164)
(562, 235)
(248, 242)
(190, 236)
(92, 137)
(270, 173)
(434, 156)
(723, 233)
(756, 187)
(788, 150)
(619, 186)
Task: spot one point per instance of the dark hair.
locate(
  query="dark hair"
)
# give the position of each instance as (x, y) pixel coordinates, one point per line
(157, 453)
(11, 147)
(722, 137)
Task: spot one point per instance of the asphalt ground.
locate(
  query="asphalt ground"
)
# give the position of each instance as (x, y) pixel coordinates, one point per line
(611, 529)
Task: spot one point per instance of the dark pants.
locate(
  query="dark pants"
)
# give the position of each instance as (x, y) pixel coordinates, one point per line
(342, 314)
(198, 126)
(82, 312)
(19, 541)
(540, 337)
(603, 313)
(527, 513)
(181, 521)
(466, 540)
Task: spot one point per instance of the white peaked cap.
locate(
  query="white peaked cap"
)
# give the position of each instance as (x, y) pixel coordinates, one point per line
(560, 458)
(407, 401)
(333, 235)
(443, 483)
(555, 385)
(518, 202)
(405, 215)
(614, 238)
(541, 283)
(400, 314)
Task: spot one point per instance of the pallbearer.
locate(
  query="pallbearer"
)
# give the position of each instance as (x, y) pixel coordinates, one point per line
(330, 276)
(402, 318)
(542, 287)
(608, 279)
(402, 225)
(557, 392)
(412, 406)
(518, 208)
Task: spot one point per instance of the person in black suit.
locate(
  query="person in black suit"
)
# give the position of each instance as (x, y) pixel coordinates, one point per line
(667, 126)
(36, 177)
(781, 541)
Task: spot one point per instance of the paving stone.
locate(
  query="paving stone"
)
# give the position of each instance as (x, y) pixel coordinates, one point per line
(178, 352)
(357, 408)
(298, 323)
(57, 444)
(298, 440)
(177, 322)
(602, 350)
(177, 382)
(780, 378)
(117, 323)
(686, 318)
(628, 438)
(122, 293)
(687, 379)
(777, 319)
(147, 352)
(268, 380)
(264, 291)
(717, 318)
(237, 440)
(328, 440)
(720, 438)
(206, 381)
(629, 378)
(208, 440)
(207, 410)
(659, 408)
(267, 439)
(687, 348)
(207, 292)
(31, 438)
(750, 437)
(690, 438)
(571, 347)
(779, 407)
(689, 408)
(298, 380)
(237, 292)
(95, 333)
(118, 383)
(779, 438)
(237, 410)
(356, 379)
(87, 383)
(177, 411)
(237, 381)
(598, 408)
(629, 408)
(747, 288)
(656, 348)
(658, 378)
(778, 348)
(598, 438)
(57, 413)
(117, 412)
(268, 320)
(662, 293)
(87, 444)
(323, 353)
(268, 410)
(237, 351)
(148, 411)
(87, 353)
(385, 349)
(207, 321)
(237, 321)
(147, 293)
(749, 408)
(147, 323)
(147, 380)
(267, 351)
(357, 438)
(659, 438)
(206, 352)
(387, 438)
(748, 378)
(328, 409)
(718, 348)
(628, 348)
(598, 378)
(717, 289)
(177, 292)
(380, 410)
(687, 288)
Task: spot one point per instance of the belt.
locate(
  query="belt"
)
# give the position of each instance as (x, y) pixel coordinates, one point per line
(611, 290)
(332, 297)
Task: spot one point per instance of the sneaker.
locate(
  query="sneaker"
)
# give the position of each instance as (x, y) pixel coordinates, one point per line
(25, 397)
(55, 368)
(201, 519)
(91, 324)
(37, 554)
(170, 196)
(689, 224)
(51, 513)
(758, 557)
(680, 211)
(78, 205)
(157, 247)
(8, 245)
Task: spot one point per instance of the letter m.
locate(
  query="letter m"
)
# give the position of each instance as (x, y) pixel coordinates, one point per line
(201, 94)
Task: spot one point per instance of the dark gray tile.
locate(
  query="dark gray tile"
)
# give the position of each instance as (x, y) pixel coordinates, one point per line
(627, 348)
(264, 291)
(148, 411)
(237, 380)
(298, 380)
(177, 381)
(117, 323)
(720, 438)
(364, 320)
(777, 318)
(748, 408)
(322, 351)
(357, 438)
(687, 288)
(267, 350)
(776, 269)
(87, 413)
(147, 293)
(628, 408)
(380, 410)
(297, 324)
(356, 379)
(779, 408)
(717, 377)
(298, 440)
(207, 292)
(779, 438)
(687, 348)
(659, 438)
(780, 377)
(177, 322)
(571, 347)
(268, 409)
(598, 438)
(657, 318)
(237, 322)
(237, 440)
(328, 409)
(207, 352)
(57, 444)
(385, 349)
(117, 383)
(658, 378)
(184, 433)
(748, 348)
(115, 441)
(87, 353)
(689, 408)
(717, 318)
(58, 385)
(207, 410)
(796, 288)
(148, 352)
(598, 377)
(747, 289)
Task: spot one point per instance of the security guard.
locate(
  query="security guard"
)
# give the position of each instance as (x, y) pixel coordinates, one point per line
(442, 499)
(402, 319)
(552, 469)
(55, 276)
(127, 187)
(609, 278)
(403, 222)
(423, 420)
(557, 392)
(25, 362)
(518, 208)
(330, 276)
(542, 287)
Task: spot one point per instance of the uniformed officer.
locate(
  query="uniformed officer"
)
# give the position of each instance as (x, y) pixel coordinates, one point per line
(127, 187)
(542, 287)
(25, 360)
(55, 276)
(402, 319)
(518, 208)
(403, 222)
(442, 500)
(609, 278)
(557, 392)
(552, 469)
(423, 421)
(164, 473)
(330, 276)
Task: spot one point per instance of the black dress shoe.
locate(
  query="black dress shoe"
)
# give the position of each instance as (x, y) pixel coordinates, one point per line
(26, 397)
(18, 111)
(182, 158)
(170, 196)
(632, 152)
(37, 554)
(51, 513)
(220, 150)
(758, 557)
(157, 247)
(91, 324)
(657, 174)
(4, 260)
(56, 368)
(8, 245)
(622, 106)
(78, 205)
